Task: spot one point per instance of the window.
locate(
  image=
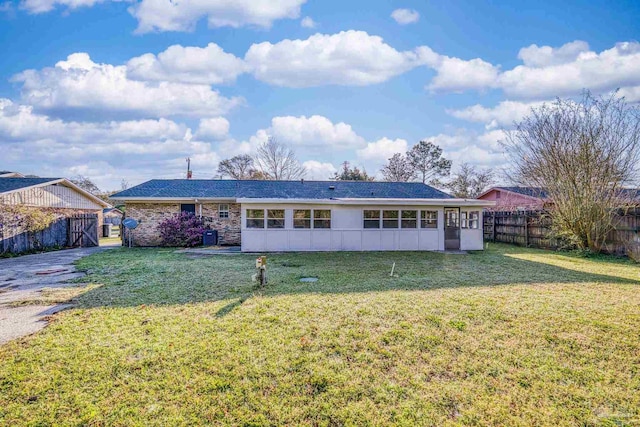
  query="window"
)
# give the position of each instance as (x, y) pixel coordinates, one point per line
(390, 219)
(223, 211)
(409, 219)
(275, 218)
(321, 218)
(474, 219)
(188, 207)
(255, 218)
(428, 219)
(302, 218)
(372, 219)
(463, 220)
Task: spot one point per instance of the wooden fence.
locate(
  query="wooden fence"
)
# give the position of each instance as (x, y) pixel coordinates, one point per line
(77, 230)
(533, 229)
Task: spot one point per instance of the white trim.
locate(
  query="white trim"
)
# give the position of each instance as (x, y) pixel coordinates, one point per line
(405, 202)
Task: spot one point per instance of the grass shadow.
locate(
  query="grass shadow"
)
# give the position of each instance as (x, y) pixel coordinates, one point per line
(230, 307)
(132, 277)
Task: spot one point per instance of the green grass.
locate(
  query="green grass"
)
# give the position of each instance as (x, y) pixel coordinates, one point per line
(508, 336)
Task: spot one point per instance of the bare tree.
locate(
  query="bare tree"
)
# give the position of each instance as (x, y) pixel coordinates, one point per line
(426, 159)
(277, 161)
(349, 173)
(86, 184)
(582, 153)
(237, 167)
(469, 182)
(398, 169)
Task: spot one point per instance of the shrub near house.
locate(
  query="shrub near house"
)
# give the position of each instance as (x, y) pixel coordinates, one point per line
(183, 229)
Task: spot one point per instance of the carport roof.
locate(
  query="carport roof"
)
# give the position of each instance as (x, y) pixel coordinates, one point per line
(252, 189)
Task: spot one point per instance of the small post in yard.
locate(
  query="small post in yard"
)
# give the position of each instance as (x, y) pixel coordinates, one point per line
(261, 265)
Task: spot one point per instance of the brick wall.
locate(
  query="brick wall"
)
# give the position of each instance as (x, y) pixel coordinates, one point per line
(149, 215)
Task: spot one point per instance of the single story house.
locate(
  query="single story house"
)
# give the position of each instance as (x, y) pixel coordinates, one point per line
(515, 198)
(264, 216)
(54, 193)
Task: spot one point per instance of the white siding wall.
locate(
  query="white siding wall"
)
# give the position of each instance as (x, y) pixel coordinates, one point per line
(347, 232)
(472, 239)
(51, 196)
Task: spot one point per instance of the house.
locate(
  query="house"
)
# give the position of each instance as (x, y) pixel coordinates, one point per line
(56, 193)
(8, 174)
(264, 216)
(112, 216)
(515, 198)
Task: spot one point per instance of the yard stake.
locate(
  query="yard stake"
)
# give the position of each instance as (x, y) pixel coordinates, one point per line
(393, 267)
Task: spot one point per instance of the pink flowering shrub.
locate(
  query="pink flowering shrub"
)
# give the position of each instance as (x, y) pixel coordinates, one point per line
(183, 229)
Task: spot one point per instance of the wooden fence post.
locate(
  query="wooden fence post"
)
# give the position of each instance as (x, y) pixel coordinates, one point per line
(493, 228)
(526, 230)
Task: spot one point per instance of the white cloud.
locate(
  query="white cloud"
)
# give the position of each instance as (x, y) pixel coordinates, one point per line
(405, 16)
(502, 115)
(318, 170)
(543, 56)
(346, 58)
(167, 15)
(457, 75)
(468, 146)
(382, 149)
(42, 6)
(308, 22)
(216, 128)
(599, 72)
(547, 72)
(105, 151)
(201, 65)
(80, 84)
(313, 131)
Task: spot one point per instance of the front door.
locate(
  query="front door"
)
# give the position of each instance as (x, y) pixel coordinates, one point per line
(452, 229)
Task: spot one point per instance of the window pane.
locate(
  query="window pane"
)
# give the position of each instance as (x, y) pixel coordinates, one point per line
(275, 213)
(474, 219)
(223, 211)
(321, 223)
(409, 214)
(255, 223)
(321, 218)
(368, 223)
(188, 207)
(275, 223)
(429, 219)
(372, 214)
(255, 213)
(322, 214)
(302, 214)
(390, 214)
(463, 220)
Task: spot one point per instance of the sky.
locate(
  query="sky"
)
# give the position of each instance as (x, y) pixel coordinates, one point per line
(117, 89)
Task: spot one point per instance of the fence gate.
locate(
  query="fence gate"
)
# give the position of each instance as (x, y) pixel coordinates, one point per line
(83, 230)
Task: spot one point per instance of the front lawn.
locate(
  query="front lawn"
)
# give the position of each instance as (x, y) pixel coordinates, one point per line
(508, 336)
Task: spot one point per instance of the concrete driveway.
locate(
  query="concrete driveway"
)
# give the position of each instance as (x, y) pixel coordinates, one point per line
(24, 278)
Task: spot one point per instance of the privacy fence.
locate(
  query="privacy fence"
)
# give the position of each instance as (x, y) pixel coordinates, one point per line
(533, 229)
(79, 230)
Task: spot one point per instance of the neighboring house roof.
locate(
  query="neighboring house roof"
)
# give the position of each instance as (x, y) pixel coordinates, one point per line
(632, 193)
(9, 174)
(110, 210)
(535, 192)
(251, 189)
(10, 185)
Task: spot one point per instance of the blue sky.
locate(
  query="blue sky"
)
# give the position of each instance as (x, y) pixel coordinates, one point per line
(91, 87)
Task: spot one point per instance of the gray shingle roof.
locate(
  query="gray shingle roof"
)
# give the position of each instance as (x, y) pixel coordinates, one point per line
(11, 184)
(194, 188)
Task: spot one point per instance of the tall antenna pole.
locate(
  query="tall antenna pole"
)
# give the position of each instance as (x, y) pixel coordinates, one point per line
(189, 173)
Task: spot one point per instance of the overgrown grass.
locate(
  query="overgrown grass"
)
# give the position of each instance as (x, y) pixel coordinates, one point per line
(508, 336)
